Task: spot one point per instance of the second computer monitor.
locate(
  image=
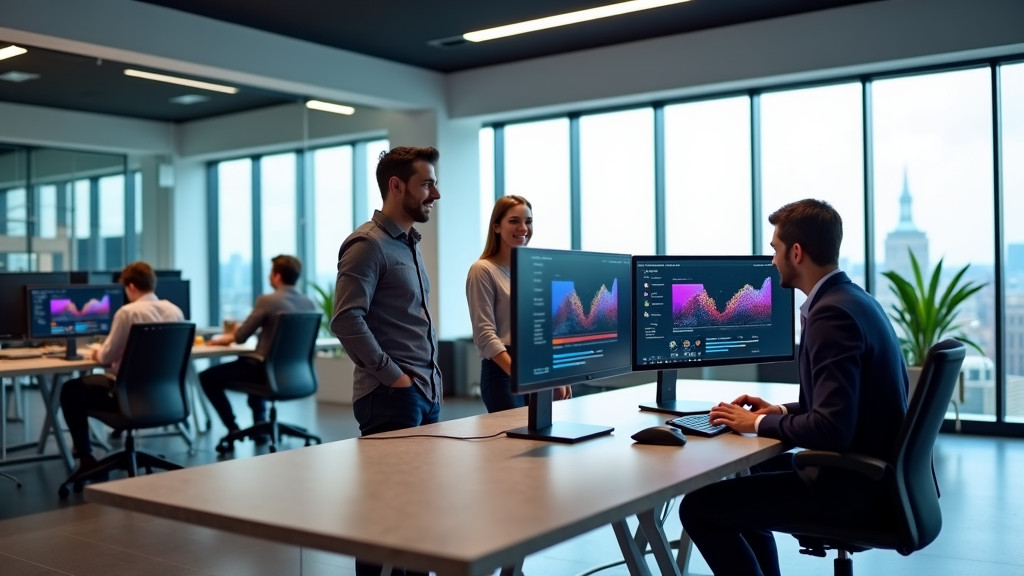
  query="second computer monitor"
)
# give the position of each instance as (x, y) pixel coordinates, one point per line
(693, 311)
(72, 310)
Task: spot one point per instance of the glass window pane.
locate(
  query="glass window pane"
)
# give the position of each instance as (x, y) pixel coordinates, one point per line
(811, 147)
(17, 212)
(234, 184)
(111, 222)
(1012, 97)
(617, 162)
(707, 177)
(933, 195)
(47, 227)
(332, 201)
(278, 210)
(371, 191)
(537, 168)
(486, 152)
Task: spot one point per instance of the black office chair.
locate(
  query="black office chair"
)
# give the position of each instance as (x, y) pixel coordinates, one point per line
(907, 475)
(151, 393)
(289, 374)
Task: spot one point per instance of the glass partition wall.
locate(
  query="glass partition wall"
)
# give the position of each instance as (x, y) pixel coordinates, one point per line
(63, 210)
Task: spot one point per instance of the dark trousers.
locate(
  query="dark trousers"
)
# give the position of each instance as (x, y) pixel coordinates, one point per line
(77, 397)
(386, 409)
(731, 521)
(215, 378)
(496, 388)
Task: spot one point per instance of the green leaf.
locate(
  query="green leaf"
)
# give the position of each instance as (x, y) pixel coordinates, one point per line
(924, 313)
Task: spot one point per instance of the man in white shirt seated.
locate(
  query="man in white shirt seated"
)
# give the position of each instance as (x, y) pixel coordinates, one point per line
(96, 391)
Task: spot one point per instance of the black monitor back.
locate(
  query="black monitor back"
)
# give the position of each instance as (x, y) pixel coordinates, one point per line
(13, 305)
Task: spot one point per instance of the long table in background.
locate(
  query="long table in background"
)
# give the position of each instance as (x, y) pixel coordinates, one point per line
(50, 372)
(454, 506)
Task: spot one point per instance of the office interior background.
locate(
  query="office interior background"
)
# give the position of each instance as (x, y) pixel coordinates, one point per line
(907, 115)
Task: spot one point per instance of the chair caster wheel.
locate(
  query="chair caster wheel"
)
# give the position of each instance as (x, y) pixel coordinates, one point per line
(63, 492)
(273, 448)
(225, 447)
(307, 442)
(78, 487)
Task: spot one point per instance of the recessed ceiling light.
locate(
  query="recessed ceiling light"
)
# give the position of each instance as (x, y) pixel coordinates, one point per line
(11, 51)
(186, 99)
(15, 76)
(181, 81)
(567, 18)
(328, 107)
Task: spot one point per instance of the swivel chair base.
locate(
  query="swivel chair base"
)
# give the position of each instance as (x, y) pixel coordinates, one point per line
(128, 459)
(271, 429)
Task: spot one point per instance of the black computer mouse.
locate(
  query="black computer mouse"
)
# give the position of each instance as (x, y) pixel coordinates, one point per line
(660, 435)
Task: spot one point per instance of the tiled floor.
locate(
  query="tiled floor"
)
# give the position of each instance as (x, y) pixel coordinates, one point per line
(983, 510)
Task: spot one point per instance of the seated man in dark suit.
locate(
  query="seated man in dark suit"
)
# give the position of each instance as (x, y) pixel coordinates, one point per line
(96, 391)
(284, 274)
(853, 397)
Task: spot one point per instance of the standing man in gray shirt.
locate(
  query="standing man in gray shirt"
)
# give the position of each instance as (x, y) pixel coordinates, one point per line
(381, 313)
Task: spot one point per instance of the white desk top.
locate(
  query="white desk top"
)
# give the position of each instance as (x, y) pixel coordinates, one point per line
(453, 506)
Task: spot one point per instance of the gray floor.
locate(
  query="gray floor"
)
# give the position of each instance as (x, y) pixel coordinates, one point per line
(40, 535)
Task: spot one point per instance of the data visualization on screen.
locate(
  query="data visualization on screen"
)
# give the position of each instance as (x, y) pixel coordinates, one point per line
(73, 310)
(571, 325)
(571, 312)
(709, 310)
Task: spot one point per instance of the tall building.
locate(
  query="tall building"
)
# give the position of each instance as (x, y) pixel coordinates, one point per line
(906, 238)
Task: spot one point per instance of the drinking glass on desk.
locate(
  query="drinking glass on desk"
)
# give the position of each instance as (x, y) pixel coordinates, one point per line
(229, 326)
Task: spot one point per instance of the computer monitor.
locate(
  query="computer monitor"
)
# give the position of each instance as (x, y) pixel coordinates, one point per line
(13, 308)
(169, 286)
(570, 324)
(694, 311)
(72, 310)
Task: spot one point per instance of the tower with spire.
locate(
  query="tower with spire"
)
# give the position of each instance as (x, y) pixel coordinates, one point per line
(906, 237)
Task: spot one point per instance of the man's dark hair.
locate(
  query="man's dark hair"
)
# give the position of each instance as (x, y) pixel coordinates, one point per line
(814, 225)
(288, 267)
(140, 274)
(400, 162)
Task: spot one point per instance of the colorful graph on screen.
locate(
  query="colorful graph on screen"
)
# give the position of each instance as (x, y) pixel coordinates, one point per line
(64, 309)
(693, 307)
(572, 322)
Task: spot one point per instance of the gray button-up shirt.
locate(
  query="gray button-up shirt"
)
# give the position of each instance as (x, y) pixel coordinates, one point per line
(380, 308)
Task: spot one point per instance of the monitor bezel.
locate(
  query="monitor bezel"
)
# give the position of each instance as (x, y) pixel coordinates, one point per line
(683, 364)
(518, 387)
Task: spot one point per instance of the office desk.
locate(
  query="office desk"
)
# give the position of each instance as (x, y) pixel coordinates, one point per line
(46, 371)
(459, 508)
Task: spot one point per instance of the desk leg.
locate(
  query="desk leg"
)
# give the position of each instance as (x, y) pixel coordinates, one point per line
(632, 549)
(3, 425)
(385, 570)
(50, 390)
(196, 399)
(514, 570)
(684, 551)
(655, 532)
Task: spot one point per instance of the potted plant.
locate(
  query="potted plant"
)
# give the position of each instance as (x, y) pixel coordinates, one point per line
(925, 315)
(324, 298)
(334, 369)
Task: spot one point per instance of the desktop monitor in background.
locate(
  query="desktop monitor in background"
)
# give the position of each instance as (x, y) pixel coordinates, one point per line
(570, 324)
(70, 311)
(694, 311)
(13, 307)
(177, 291)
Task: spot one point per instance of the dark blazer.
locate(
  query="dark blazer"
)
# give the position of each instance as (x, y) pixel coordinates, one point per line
(853, 380)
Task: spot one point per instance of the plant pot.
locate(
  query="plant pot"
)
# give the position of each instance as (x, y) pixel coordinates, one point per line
(334, 379)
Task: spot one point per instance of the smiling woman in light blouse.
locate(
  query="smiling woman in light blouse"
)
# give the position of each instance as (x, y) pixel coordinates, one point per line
(488, 294)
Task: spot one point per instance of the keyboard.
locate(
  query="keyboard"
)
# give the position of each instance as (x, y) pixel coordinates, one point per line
(698, 425)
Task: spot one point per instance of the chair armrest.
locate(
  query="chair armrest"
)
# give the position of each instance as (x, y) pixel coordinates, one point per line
(873, 468)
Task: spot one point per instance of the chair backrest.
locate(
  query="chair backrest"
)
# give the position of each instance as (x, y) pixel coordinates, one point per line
(912, 460)
(289, 362)
(151, 378)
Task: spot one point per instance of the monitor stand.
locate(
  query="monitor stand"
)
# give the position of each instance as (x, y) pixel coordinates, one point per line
(665, 400)
(540, 427)
(71, 350)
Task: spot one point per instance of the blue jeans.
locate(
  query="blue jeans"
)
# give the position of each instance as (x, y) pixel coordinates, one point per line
(496, 388)
(387, 409)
